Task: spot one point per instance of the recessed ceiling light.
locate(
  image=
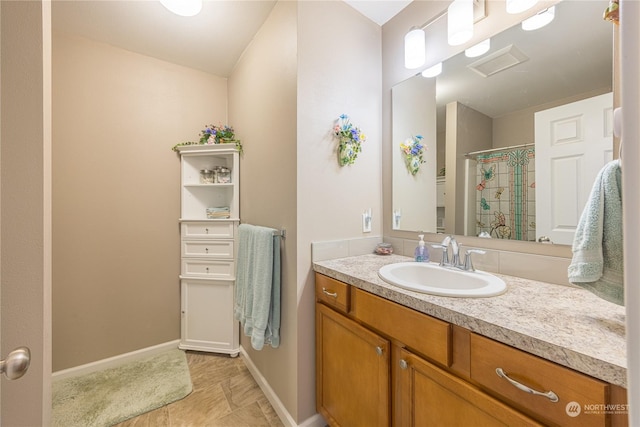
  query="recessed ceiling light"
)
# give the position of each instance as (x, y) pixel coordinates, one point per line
(183, 7)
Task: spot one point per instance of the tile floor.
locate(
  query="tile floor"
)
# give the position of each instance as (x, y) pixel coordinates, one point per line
(224, 394)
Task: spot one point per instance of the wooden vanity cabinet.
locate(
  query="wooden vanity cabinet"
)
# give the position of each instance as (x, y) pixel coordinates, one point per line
(379, 363)
(426, 395)
(352, 372)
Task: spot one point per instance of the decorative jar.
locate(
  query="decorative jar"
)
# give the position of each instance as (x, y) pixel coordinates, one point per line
(207, 176)
(224, 175)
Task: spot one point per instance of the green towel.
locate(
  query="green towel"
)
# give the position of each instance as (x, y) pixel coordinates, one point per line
(597, 246)
(257, 302)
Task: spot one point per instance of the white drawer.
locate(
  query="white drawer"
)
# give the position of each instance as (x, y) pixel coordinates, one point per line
(208, 268)
(222, 249)
(207, 230)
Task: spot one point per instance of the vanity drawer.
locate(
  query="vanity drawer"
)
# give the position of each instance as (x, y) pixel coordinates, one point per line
(422, 333)
(333, 293)
(207, 230)
(574, 390)
(208, 268)
(208, 249)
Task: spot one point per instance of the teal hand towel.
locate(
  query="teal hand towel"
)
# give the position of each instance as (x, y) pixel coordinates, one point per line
(257, 296)
(597, 263)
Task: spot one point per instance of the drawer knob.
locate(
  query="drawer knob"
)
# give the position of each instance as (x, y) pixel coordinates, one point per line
(331, 294)
(549, 394)
(403, 364)
(379, 351)
(206, 231)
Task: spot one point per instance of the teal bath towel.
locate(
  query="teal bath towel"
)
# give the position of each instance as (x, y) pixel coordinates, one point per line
(257, 302)
(597, 246)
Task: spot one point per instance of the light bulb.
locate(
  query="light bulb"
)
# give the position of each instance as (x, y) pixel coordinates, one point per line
(414, 48)
(433, 71)
(517, 6)
(479, 49)
(460, 22)
(539, 20)
(183, 7)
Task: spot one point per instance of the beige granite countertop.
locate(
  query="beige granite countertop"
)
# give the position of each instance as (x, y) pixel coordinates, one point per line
(566, 325)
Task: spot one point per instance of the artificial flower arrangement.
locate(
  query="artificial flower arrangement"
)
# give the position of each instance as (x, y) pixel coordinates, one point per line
(350, 140)
(213, 134)
(413, 150)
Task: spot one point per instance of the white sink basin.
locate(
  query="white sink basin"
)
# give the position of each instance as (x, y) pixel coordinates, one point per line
(430, 278)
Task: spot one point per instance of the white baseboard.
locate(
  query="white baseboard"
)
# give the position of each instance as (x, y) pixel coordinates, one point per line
(286, 418)
(114, 361)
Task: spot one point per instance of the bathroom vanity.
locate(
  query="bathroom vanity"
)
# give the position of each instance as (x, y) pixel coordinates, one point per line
(539, 354)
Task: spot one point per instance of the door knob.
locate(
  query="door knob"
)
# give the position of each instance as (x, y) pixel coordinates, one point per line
(16, 363)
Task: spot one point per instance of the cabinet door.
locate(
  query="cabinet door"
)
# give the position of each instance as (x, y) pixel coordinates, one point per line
(426, 395)
(207, 316)
(352, 372)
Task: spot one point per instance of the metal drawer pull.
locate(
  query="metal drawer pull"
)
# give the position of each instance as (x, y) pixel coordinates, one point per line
(331, 294)
(403, 364)
(379, 351)
(549, 394)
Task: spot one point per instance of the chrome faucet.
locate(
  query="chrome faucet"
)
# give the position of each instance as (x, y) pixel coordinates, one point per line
(451, 242)
(446, 243)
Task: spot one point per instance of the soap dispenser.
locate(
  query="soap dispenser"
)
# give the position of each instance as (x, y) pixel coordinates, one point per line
(422, 253)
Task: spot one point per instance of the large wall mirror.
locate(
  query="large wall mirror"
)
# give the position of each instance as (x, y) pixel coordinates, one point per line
(514, 138)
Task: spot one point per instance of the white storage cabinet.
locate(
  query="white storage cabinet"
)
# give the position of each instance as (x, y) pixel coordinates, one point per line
(208, 250)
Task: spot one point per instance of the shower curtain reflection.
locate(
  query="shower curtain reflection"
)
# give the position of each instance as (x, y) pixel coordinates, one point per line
(505, 193)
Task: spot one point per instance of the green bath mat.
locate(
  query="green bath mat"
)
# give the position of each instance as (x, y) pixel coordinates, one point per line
(114, 395)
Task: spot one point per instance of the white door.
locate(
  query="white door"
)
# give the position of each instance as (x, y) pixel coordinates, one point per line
(573, 142)
(25, 219)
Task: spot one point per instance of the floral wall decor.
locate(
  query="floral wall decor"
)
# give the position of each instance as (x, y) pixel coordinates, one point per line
(413, 149)
(213, 134)
(350, 140)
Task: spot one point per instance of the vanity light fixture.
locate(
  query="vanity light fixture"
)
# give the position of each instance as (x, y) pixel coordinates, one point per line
(517, 6)
(433, 71)
(460, 22)
(461, 15)
(539, 20)
(183, 7)
(414, 48)
(479, 49)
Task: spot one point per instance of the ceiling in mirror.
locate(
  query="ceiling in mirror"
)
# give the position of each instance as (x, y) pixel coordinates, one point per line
(570, 55)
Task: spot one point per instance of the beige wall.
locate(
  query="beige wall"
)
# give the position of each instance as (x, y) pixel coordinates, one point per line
(467, 130)
(339, 71)
(116, 253)
(311, 62)
(262, 107)
(518, 127)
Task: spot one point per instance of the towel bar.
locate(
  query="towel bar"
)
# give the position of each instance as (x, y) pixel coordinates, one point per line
(281, 233)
